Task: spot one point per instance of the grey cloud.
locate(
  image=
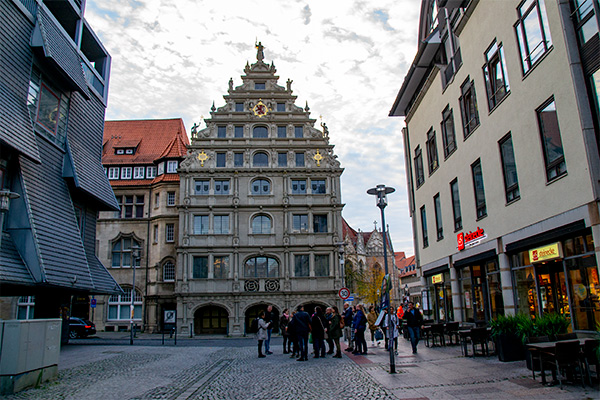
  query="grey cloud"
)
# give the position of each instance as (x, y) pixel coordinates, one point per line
(306, 14)
(342, 35)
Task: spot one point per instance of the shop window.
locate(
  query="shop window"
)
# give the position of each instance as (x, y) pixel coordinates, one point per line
(533, 32)
(466, 295)
(456, 205)
(509, 169)
(554, 158)
(448, 134)
(432, 153)
(261, 267)
(221, 267)
(301, 265)
(119, 306)
(525, 291)
(584, 287)
(321, 265)
(468, 107)
(494, 289)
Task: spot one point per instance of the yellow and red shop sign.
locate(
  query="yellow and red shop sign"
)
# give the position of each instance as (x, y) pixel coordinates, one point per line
(546, 253)
(439, 278)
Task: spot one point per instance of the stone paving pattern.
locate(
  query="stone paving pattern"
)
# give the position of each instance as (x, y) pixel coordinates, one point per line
(232, 371)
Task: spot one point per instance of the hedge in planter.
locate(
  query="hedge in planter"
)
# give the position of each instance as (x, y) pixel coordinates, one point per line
(505, 331)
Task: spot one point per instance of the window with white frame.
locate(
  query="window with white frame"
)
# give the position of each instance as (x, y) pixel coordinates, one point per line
(161, 168)
(221, 186)
(201, 186)
(298, 186)
(300, 222)
(201, 224)
(150, 172)
(113, 173)
(169, 271)
(126, 173)
(138, 172)
(170, 199)
(170, 233)
(172, 167)
(119, 306)
(221, 224)
(25, 307)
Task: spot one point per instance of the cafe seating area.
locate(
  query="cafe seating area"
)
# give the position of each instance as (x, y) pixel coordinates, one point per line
(452, 334)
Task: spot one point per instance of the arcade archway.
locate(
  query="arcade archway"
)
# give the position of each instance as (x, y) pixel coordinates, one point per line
(211, 320)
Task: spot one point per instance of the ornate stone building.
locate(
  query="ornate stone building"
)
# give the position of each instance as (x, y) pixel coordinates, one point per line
(260, 215)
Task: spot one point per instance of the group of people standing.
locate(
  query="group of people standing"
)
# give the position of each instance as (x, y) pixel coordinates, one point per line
(328, 326)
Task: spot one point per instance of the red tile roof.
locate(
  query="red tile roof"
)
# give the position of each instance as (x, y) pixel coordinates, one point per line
(166, 178)
(155, 139)
(348, 231)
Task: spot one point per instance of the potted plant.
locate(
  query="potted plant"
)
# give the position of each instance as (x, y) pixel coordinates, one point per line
(509, 345)
(552, 325)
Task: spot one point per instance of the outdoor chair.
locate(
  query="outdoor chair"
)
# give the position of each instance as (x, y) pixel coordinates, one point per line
(451, 330)
(590, 357)
(536, 357)
(568, 361)
(437, 331)
(479, 337)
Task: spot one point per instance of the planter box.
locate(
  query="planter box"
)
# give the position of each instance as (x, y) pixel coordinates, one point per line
(510, 348)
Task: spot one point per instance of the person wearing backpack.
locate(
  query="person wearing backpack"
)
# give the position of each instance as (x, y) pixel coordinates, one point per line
(261, 334)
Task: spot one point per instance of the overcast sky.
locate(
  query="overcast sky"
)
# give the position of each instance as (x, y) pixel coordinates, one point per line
(347, 58)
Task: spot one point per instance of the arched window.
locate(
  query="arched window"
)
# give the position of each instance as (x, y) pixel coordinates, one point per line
(261, 267)
(261, 187)
(119, 306)
(168, 271)
(261, 224)
(260, 160)
(121, 252)
(260, 132)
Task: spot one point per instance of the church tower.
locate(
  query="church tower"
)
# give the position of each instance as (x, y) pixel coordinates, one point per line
(260, 215)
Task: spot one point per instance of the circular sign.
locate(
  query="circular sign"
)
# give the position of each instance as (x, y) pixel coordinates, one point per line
(344, 293)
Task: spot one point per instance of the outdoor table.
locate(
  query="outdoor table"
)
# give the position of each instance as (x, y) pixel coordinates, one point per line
(464, 335)
(548, 350)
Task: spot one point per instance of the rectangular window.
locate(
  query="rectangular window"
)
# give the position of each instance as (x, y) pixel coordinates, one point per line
(200, 267)
(479, 191)
(281, 131)
(419, 173)
(509, 168)
(238, 159)
(201, 187)
(221, 224)
(282, 159)
(432, 153)
(139, 206)
(221, 186)
(150, 172)
(322, 265)
(127, 206)
(156, 200)
(48, 109)
(317, 186)
(320, 223)
(138, 172)
(586, 22)
(259, 86)
(424, 227)
(301, 265)
(113, 173)
(438, 216)
(494, 74)
(238, 131)
(453, 56)
(300, 222)
(221, 267)
(155, 234)
(281, 107)
(221, 157)
(554, 157)
(221, 131)
(170, 233)
(25, 307)
(533, 32)
(128, 151)
(239, 107)
(456, 205)
(161, 168)
(299, 159)
(448, 135)
(170, 199)
(172, 167)
(200, 224)
(298, 186)
(126, 173)
(468, 107)
(298, 132)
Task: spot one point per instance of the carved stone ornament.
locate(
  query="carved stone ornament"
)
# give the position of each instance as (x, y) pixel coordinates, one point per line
(251, 285)
(186, 201)
(272, 285)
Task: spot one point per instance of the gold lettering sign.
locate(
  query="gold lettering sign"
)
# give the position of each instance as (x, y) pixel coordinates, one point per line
(545, 253)
(439, 278)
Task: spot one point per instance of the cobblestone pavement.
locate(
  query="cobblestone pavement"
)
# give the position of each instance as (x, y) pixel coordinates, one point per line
(232, 370)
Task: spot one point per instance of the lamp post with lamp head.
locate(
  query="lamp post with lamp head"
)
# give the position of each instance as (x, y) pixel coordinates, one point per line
(381, 191)
(135, 257)
(5, 197)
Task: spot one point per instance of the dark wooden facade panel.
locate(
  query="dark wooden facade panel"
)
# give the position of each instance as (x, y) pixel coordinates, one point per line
(13, 268)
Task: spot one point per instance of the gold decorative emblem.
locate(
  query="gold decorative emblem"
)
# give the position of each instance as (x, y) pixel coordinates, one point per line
(318, 157)
(260, 109)
(202, 157)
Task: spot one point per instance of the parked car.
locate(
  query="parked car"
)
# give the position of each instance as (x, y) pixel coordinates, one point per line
(79, 327)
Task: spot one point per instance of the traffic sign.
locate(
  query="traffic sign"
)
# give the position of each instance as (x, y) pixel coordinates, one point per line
(350, 299)
(93, 303)
(344, 293)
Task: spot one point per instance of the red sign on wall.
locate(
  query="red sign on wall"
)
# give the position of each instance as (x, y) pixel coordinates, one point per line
(460, 239)
(470, 239)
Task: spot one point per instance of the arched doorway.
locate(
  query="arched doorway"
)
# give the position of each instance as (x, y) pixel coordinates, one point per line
(253, 312)
(310, 307)
(210, 320)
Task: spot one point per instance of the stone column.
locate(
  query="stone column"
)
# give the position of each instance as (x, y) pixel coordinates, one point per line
(456, 298)
(506, 282)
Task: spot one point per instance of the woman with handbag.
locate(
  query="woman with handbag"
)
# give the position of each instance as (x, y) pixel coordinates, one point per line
(318, 324)
(371, 319)
(335, 331)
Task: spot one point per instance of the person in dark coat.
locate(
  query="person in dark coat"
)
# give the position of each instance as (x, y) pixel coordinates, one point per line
(348, 315)
(302, 328)
(283, 323)
(318, 324)
(329, 340)
(269, 319)
(335, 331)
(359, 323)
(414, 323)
(293, 337)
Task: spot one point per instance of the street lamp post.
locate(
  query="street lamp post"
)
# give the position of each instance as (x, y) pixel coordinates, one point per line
(381, 191)
(135, 256)
(5, 197)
